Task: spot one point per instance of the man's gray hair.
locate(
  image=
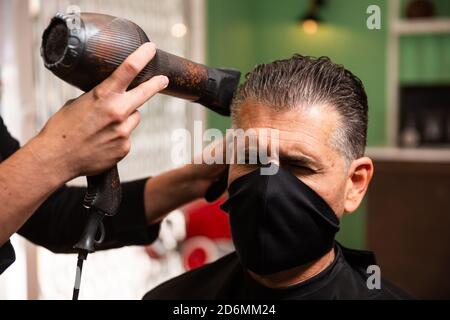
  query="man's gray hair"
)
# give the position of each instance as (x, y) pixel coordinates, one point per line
(309, 81)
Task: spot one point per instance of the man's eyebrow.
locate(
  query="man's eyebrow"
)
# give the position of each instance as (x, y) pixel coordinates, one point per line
(299, 159)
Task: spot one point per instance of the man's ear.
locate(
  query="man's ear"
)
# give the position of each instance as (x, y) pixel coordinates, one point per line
(359, 176)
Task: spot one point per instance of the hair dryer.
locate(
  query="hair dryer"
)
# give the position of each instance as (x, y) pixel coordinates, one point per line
(83, 50)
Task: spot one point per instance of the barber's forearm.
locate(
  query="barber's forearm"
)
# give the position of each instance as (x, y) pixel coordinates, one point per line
(170, 190)
(27, 178)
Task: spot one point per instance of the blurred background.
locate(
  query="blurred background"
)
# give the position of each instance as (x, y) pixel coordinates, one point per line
(399, 48)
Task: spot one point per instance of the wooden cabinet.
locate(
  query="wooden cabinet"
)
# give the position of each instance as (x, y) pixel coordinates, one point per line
(409, 224)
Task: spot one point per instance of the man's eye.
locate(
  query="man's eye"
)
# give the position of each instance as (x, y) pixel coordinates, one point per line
(252, 159)
(301, 169)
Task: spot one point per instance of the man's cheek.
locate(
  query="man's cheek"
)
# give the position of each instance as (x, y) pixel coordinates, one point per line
(336, 201)
(330, 190)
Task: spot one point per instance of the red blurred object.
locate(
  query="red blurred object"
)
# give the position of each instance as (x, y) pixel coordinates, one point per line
(198, 251)
(207, 219)
(207, 230)
(197, 258)
(208, 235)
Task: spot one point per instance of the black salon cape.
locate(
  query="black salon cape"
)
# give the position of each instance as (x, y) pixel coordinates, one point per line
(59, 221)
(226, 279)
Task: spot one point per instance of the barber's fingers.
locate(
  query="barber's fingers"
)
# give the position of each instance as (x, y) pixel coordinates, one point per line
(123, 129)
(139, 95)
(133, 120)
(121, 78)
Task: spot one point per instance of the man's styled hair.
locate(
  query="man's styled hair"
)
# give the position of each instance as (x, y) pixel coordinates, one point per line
(306, 81)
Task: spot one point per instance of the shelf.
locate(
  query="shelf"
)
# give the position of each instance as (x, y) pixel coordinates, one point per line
(421, 154)
(421, 26)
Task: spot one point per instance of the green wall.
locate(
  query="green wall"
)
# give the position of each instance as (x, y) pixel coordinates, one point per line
(425, 59)
(243, 33)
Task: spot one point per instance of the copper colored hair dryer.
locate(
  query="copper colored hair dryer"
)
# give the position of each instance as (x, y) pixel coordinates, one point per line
(86, 51)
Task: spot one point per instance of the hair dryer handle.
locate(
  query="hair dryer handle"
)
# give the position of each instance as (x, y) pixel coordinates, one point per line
(104, 192)
(102, 198)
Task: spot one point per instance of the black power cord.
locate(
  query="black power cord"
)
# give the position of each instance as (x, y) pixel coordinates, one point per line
(82, 255)
(87, 244)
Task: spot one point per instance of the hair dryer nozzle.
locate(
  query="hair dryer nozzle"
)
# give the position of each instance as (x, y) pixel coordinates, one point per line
(219, 91)
(62, 45)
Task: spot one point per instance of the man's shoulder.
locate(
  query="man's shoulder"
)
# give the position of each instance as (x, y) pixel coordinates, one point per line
(365, 271)
(198, 284)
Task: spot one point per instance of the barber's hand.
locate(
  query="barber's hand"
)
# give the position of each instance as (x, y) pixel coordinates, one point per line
(170, 190)
(92, 133)
(208, 167)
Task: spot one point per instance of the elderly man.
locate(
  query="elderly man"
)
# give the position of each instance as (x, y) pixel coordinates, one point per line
(283, 225)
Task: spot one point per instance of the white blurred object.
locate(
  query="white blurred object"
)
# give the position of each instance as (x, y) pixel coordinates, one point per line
(173, 230)
(410, 136)
(179, 30)
(34, 6)
(432, 128)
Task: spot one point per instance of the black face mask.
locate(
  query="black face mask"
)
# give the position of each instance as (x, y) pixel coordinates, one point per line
(278, 222)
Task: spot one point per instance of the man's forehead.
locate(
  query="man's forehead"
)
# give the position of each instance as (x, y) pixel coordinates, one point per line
(303, 129)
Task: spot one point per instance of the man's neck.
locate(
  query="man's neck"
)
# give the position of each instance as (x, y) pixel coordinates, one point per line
(295, 275)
